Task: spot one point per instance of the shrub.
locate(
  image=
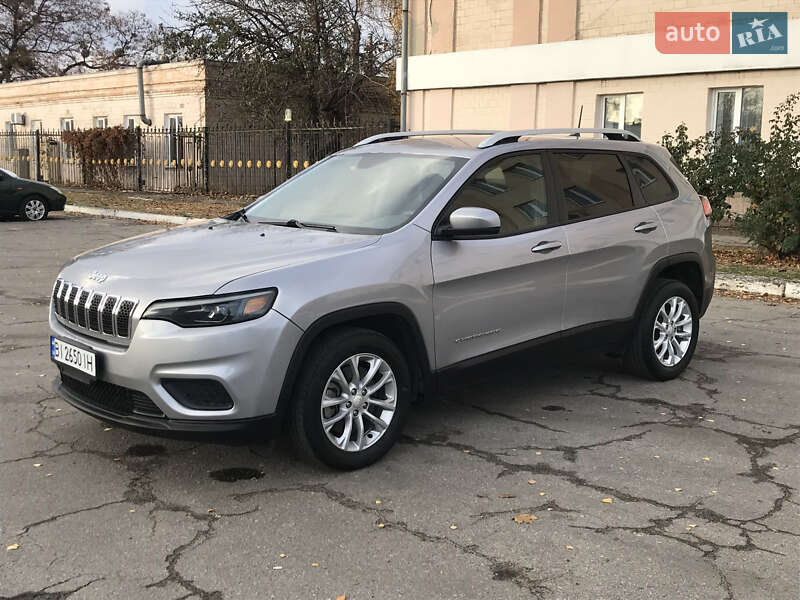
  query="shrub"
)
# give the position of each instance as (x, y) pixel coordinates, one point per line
(716, 163)
(773, 185)
(99, 150)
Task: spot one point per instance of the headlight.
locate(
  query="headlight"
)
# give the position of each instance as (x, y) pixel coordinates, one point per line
(213, 310)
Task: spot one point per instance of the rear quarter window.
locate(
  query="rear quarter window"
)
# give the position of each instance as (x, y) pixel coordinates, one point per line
(655, 186)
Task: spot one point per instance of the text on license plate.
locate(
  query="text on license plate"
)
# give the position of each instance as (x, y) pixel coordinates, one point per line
(75, 357)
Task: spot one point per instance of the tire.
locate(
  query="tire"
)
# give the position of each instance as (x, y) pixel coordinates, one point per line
(662, 350)
(34, 208)
(329, 370)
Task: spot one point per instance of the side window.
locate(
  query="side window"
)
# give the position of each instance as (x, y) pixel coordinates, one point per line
(592, 184)
(651, 180)
(514, 188)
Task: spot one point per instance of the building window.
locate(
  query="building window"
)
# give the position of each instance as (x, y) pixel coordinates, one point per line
(129, 121)
(622, 111)
(11, 140)
(737, 108)
(100, 122)
(36, 125)
(67, 124)
(174, 123)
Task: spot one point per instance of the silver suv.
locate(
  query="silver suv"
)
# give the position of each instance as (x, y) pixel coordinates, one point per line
(328, 305)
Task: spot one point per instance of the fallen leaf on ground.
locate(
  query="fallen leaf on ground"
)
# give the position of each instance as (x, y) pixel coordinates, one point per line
(12, 547)
(377, 501)
(314, 564)
(342, 597)
(381, 525)
(538, 453)
(282, 555)
(607, 500)
(678, 489)
(453, 526)
(107, 429)
(507, 496)
(524, 518)
(706, 458)
(570, 548)
(277, 568)
(37, 464)
(531, 481)
(541, 493)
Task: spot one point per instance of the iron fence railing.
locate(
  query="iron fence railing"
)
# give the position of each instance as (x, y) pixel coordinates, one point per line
(240, 161)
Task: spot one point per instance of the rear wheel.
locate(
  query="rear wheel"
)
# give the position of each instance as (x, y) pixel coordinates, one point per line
(666, 335)
(352, 398)
(34, 209)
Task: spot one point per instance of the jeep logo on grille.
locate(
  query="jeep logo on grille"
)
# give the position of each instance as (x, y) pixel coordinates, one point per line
(98, 276)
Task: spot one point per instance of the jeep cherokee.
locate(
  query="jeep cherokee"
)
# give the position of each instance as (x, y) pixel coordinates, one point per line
(327, 305)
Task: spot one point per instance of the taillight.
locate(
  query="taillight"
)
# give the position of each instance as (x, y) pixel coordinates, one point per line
(706, 206)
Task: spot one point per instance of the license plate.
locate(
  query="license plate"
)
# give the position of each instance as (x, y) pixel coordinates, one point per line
(72, 356)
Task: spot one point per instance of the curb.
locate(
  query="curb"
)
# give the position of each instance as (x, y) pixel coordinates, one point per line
(758, 285)
(736, 283)
(129, 214)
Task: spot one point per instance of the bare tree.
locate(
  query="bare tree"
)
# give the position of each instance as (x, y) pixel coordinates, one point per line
(40, 38)
(328, 59)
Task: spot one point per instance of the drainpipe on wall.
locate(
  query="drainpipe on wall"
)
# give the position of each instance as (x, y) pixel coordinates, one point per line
(404, 72)
(142, 115)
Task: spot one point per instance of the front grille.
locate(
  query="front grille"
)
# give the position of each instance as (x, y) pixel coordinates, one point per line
(83, 308)
(112, 398)
(94, 315)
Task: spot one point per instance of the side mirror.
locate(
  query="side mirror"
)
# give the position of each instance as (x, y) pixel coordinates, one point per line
(470, 221)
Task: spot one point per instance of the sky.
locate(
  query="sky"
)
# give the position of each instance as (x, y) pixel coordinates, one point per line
(159, 11)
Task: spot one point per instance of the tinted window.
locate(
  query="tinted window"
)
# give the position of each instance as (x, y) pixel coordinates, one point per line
(651, 180)
(514, 188)
(593, 184)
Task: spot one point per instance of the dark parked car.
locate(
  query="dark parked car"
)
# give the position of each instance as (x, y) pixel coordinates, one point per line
(31, 200)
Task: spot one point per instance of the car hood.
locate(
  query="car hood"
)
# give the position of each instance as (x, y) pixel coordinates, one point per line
(197, 260)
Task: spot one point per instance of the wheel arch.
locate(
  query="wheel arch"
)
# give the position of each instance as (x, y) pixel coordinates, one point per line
(686, 267)
(392, 319)
(30, 196)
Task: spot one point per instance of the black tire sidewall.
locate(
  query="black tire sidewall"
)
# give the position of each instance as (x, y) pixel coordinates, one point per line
(661, 294)
(328, 355)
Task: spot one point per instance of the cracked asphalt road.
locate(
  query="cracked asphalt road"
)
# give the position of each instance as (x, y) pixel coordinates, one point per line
(702, 475)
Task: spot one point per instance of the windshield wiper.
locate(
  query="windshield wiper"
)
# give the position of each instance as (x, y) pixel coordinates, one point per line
(300, 224)
(237, 215)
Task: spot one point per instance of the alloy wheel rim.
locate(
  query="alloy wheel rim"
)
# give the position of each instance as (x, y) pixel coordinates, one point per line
(359, 402)
(34, 209)
(672, 331)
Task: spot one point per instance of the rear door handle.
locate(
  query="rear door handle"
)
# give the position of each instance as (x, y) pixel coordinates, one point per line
(545, 247)
(645, 227)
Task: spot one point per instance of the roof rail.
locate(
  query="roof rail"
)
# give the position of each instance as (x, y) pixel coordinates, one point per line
(402, 135)
(506, 137)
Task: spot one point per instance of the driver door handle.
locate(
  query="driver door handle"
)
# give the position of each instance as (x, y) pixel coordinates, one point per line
(645, 227)
(544, 247)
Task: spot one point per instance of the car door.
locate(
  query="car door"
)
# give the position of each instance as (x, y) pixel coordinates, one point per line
(613, 238)
(505, 289)
(7, 193)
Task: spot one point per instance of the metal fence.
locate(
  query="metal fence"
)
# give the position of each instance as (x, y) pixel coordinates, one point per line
(242, 161)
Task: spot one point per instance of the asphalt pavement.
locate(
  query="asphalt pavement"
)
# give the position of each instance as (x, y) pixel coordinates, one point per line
(532, 477)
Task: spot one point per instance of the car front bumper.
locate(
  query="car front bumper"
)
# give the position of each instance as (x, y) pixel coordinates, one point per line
(249, 359)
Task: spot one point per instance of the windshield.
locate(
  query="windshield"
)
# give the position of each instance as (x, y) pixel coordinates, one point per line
(362, 193)
(7, 172)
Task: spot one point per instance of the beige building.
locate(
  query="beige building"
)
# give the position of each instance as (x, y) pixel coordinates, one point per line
(511, 64)
(176, 95)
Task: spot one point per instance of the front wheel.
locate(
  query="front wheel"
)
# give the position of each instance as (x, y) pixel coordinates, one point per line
(666, 335)
(34, 209)
(351, 399)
